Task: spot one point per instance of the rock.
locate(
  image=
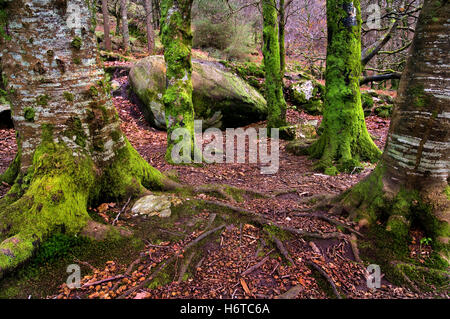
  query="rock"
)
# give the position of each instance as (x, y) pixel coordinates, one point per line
(221, 98)
(305, 130)
(115, 85)
(152, 205)
(307, 94)
(291, 293)
(304, 135)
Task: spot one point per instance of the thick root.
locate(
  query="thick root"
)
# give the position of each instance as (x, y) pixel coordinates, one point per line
(55, 192)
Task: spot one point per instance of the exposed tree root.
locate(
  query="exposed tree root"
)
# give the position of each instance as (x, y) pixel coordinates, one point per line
(169, 261)
(331, 221)
(328, 278)
(281, 248)
(354, 246)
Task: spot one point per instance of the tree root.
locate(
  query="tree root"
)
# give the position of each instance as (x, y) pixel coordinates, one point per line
(281, 248)
(328, 278)
(169, 261)
(259, 220)
(331, 221)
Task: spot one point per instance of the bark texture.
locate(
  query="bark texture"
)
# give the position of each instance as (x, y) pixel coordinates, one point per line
(106, 27)
(125, 32)
(271, 51)
(411, 182)
(345, 139)
(71, 148)
(149, 26)
(179, 109)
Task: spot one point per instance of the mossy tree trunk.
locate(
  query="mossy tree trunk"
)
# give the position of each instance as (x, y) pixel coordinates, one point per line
(178, 106)
(345, 139)
(125, 32)
(410, 184)
(72, 152)
(281, 33)
(106, 28)
(271, 51)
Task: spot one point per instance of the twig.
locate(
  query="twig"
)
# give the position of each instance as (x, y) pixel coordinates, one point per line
(121, 211)
(256, 266)
(102, 281)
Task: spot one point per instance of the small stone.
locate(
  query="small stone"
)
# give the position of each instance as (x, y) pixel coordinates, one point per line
(152, 205)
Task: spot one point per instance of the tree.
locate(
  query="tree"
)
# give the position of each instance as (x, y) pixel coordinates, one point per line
(345, 138)
(271, 51)
(106, 25)
(179, 109)
(71, 149)
(410, 184)
(125, 32)
(149, 26)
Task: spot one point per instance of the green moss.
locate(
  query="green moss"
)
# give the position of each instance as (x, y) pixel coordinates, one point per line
(273, 86)
(29, 114)
(42, 100)
(76, 60)
(14, 168)
(332, 171)
(76, 43)
(75, 129)
(129, 174)
(116, 135)
(68, 96)
(345, 135)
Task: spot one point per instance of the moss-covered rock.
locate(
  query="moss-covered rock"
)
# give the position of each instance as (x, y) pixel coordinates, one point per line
(307, 95)
(221, 99)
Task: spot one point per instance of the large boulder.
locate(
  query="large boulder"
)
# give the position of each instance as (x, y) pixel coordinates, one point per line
(221, 99)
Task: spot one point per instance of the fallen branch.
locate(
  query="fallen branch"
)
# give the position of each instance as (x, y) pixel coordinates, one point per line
(281, 248)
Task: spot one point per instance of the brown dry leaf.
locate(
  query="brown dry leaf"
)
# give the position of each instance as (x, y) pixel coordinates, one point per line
(103, 208)
(244, 285)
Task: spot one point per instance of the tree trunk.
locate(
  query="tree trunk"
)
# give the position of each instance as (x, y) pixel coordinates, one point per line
(71, 149)
(281, 31)
(345, 138)
(149, 25)
(411, 181)
(271, 51)
(179, 110)
(106, 25)
(125, 33)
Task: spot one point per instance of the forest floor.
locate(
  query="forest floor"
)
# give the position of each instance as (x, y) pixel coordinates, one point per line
(221, 273)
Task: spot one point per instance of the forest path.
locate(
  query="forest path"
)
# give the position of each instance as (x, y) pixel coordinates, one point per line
(240, 263)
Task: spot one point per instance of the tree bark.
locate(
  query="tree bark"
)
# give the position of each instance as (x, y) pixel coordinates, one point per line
(106, 28)
(125, 32)
(281, 31)
(411, 180)
(71, 149)
(149, 26)
(271, 51)
(178, 106)
(345, 139)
